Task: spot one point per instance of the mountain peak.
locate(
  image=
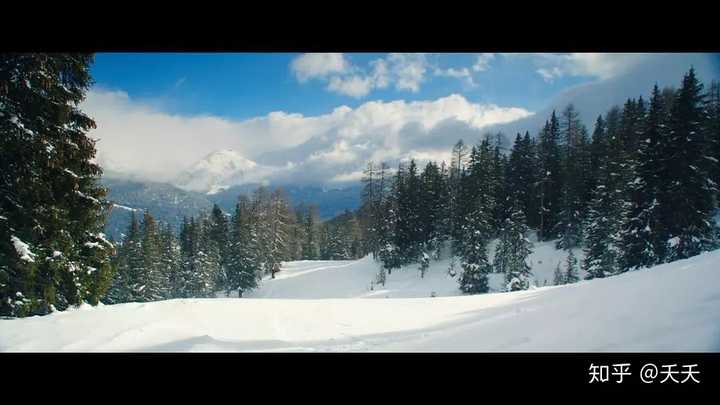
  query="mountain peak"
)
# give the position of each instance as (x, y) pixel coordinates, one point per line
(216, 171)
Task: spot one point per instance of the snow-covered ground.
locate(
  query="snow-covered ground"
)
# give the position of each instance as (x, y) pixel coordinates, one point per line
(322, 306)
(352, 279)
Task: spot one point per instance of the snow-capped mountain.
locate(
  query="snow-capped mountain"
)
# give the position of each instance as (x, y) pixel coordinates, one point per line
(218, 171)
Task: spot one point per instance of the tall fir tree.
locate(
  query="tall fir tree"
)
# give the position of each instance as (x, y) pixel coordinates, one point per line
(550, 180)
(52, 250)
(575, 174)
(644, 234)
(686, 197)
(513, 251)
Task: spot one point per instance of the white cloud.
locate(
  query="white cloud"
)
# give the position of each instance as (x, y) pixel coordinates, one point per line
(354, 86)
(599, 65)
(406, 72)
(462, 74)
(550, 74)
(318, 65)
(482, 62)
(144, 142)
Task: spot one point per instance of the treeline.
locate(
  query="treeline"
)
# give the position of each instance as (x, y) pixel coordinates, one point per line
(639, 191)
(220, 252)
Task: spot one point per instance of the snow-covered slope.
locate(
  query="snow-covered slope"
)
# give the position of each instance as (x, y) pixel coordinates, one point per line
(672, 307)
(352, 279)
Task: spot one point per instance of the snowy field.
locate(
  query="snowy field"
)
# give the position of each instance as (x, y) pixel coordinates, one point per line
(323, 306)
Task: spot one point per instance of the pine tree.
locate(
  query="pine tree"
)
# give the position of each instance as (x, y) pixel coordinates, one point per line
(474, 261)
(607, 207)
(521, 178)
(455, 182)
(712, 130)
(170, 263)
(244, 265)
(513, 250)
(52, 250)
(571, 269)
(576, 168)
(644, 234)
(550, 180)
(408, 227)
(218, 233)
(686, 198)
(310, 248)
(150, 278)
(128, 264)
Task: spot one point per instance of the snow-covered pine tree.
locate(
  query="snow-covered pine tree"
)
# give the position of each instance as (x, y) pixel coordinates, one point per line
(52, 251)
(712, 130)
(408, 227)
(550, 180)
(606, 209)
(127, 264)
(456, 212)
(433, 209)
(371, 197)
(218, 233)
(576, 171)
(388, 253)
(151, 280)
(571, 268)
(278, 217)
(310, 248)
(644, 234)
(513, 251)
(521, 178)
(244, 266)
(686, 198)
(170, 263)
(473, 261)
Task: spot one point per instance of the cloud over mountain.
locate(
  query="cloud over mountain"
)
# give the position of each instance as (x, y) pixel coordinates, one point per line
(138, 140)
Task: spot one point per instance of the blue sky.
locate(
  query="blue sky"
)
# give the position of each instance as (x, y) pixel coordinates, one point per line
(319, 118)
(244, 85)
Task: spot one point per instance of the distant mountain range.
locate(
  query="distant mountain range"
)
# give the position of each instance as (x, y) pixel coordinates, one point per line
(169, 203)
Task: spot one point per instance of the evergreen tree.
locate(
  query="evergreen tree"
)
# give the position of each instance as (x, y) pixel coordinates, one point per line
(408, 227)
(128, 264)
(455, 181)
(170, 263)
(218, 233)
(576, 168)
(686, 197)
(521, 178)
(607, 207)
(243, 263)
(52, 211)
(712, 129)
(550, 180)
(310, 248)
(513, 250)
(571, 269)
(644, 235)
(151, 279)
